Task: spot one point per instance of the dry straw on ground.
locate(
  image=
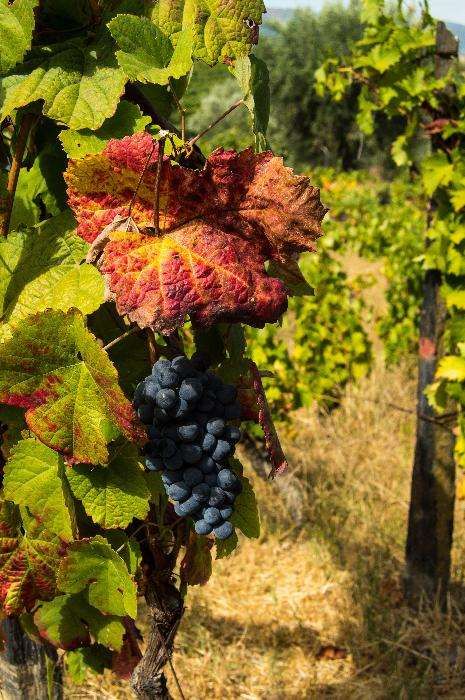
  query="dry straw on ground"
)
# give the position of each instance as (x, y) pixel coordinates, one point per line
(314, 608)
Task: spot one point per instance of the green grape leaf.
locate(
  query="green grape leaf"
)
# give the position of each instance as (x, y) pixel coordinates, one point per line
(68, 621)
(40, 189)
(93, 659)
(16, 26)
(128, 119)
(112, 497)
(245, 515)
(437, 171)
(127, 548)
(196, 565)
(55, 368)
(451, 368)
(40, 269)
(224, 548)
(222, 32)
(94, 566)
(13, 418)
(78, 83)
(254, 80)
(146, 54)
(29, 559)
(34, 477)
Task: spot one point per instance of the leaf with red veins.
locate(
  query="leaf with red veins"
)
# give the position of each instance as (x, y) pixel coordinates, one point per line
(28, 563)
(217, 229)
(53, 367)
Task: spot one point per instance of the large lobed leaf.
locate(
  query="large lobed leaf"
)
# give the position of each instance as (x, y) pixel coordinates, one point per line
(222, 31)
(94, 567)
(217, 228)
(16, 27)
(34, 477)
(41, 268)
(28, 563)
(79, 83)
(54, 367)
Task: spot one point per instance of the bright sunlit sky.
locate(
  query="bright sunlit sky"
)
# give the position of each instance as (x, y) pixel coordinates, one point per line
(451, 10)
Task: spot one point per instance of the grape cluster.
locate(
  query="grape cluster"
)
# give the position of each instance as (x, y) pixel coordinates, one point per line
(187, 410)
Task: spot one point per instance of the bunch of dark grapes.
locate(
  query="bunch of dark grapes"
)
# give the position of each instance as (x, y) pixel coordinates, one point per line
(188, 411)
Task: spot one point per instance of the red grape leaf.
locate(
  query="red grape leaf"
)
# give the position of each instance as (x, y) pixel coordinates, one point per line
(28, 563)
(54, 367)
(217, 228)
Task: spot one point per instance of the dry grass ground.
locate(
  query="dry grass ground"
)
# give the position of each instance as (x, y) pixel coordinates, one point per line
(314, 608)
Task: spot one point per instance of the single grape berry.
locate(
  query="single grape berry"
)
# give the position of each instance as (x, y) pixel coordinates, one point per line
(151, 388)
(168, 447)
(226, 512)
(222, 451)
(227, 394)
(191, 453)
(179, 491)
(216, 427)
(223, 531)
(191, 390)
(212, 516)
(202, 527)
(208, 442)
(166, 399)
(227, 480)
(211, 479)
(207, 465)
(188, 507)
(169, 379)
(188, 432)
(174, 462)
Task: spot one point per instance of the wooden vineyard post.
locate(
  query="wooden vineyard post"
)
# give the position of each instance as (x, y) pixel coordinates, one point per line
(431, 514)
(27, 671)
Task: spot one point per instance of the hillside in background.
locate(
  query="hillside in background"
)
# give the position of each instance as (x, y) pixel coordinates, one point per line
(283, 15)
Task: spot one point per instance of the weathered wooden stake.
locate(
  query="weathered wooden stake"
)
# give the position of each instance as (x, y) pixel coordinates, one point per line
(431, 515)
(24, 668)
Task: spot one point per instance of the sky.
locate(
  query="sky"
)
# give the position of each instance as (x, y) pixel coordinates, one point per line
(449, 10)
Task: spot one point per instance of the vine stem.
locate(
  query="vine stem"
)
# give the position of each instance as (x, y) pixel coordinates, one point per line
(181, 110)
(23, 135)
(230, 109)
(156, 205)
(131, 331)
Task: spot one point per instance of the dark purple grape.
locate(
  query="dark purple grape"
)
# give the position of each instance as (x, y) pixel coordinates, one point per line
(212, 516)
(232, 434)
(188, 432)
(216, 427)
(182, 409)
(166, 399)
(188, 507)
(208, 442)
(151, 388)
(202, 527)
(169, 447)
(179, 491)
(228, 480)
(226, 512)
(154, 432)
(207, 465)
(169, 379)
(223, 531)
(206, 404)
(191, 390)
(222, 451)
(191, 453)
(174, 462)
